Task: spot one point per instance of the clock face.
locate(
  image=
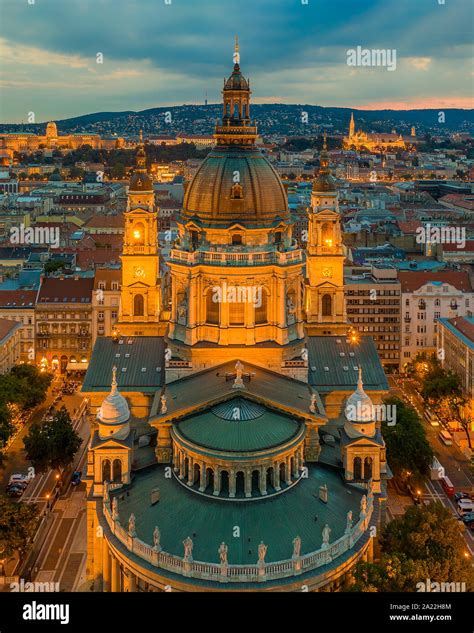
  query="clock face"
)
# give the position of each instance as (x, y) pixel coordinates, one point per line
(138, 271)
(327, 272)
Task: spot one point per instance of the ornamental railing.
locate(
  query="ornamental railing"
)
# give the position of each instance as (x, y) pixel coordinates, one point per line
(236, 259)
(226, 572)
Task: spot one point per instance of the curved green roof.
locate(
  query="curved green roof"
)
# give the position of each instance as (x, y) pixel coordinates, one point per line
(238, 434)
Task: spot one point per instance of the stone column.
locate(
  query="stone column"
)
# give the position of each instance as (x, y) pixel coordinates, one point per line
(217, 482)
(105, 566)
(131, 581)
(202, 478)
(190, 471)
(232, 483)
(295, 465)
(175, 458)
(248, 483)
(263, 480)
(276, 476)
(288, 471)
(115, 575)
(182, 465)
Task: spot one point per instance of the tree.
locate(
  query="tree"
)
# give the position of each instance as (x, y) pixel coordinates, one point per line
(52, 444)
(52, 266)
(33, 385)
(18, 522)
(408, 450)
(423, 543)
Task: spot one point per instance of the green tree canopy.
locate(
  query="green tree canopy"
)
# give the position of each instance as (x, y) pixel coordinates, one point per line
(408, 449)
(18, 522)
(425, 543)
(52, 444)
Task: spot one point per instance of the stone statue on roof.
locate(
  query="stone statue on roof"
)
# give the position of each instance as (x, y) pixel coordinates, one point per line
(349, 522)
(223, 550)
(262, 551)
(156, 538)
(239, 372)
(312, 404)
(296, 547)
(114, 508)
(131, 525)
(326, 535)
(188, 549)
(163, 407)
(363, 505)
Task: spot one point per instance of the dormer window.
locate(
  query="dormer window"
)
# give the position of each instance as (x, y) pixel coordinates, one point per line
(236, 191)
(278, 237)
(237, 239)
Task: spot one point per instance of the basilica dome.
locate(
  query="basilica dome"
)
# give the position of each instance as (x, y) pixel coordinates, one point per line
(213, 198)
(114, 413)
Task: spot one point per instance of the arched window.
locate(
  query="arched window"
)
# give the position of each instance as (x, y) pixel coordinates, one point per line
(117, 470)
(106, 472)
(138, 233)
(212, 307)
(357, 468)
(236, 110)
(138, 305)
(227, 108)
(368, 468)
(327, 305)
(261, 315)
(326, 234)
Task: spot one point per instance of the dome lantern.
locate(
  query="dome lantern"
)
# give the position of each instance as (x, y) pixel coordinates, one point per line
(359, 412)
(114, 415)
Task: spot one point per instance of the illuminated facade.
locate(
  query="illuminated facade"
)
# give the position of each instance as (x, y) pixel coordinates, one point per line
(26, 142)
(360, 140)
(215, 431)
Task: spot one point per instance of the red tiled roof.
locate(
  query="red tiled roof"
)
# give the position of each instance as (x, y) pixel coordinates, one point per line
(463, 326)
(7, 327)
(411, 281)
(453, 248)
(105, 221)
(460, 200)
(89, 259)
(410, 227)
(107, 275)
(66, 290)
(17, 298)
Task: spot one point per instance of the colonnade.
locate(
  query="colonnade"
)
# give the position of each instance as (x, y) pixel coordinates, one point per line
(228, 479)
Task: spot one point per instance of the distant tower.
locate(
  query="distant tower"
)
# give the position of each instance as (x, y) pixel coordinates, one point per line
(352, 126)
(413, 131)
(140, 302)
(205, 100)
(324, 296)
(51, 130)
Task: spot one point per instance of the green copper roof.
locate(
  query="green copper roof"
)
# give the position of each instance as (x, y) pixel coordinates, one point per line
(275, 520)
(334, 364)
(139, 361)
(238, 409)
(266, 431)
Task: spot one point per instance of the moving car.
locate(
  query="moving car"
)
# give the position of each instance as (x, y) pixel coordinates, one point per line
(76, 478)
(15, 491)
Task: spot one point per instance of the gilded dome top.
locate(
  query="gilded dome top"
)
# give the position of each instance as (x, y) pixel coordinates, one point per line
(140, 180)
(214, 196)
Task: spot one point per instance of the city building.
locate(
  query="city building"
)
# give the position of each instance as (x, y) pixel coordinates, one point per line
(426, 298)
(10, 344)
(27, 142)
(64, 323)
(373, 298)
(105, 301)
(456, 340)
(359, 140)
(19, 305)
(231, 414)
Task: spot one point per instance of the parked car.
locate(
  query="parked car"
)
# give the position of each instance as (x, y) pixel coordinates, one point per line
(462, 495)
(15, 491)
(468, 518)
(18, 478)
(76, 478)
(20, 484)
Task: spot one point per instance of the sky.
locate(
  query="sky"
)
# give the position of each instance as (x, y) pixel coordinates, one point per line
(172, 52)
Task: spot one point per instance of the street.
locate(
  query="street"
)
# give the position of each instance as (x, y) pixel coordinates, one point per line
(456, 464)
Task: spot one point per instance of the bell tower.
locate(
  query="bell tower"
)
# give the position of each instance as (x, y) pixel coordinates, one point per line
(324, 293)
(140, 302)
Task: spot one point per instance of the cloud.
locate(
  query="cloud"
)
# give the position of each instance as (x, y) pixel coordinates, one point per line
(420, 63)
